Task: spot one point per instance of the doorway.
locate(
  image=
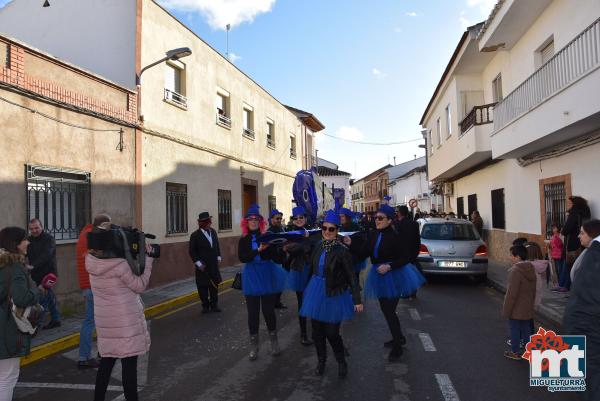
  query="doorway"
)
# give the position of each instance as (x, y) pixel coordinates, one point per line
(249, 193)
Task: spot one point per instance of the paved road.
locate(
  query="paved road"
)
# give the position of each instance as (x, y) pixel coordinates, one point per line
(454, 352)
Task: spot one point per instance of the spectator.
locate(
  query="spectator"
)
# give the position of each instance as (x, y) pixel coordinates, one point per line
(578, 212)
(206, 254)
(276, 226)
(583, 307)
(540, 265)
(42, 256)
(477, 222)
(14, 279)
(556, 247)
(87, 327)
(519, 300)
(408, 231)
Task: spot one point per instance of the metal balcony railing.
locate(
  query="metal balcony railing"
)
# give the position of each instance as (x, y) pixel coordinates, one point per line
(479, 115)
(174, 97)
(249, 133)
(223, 120)
(293, 153)
(578, 58)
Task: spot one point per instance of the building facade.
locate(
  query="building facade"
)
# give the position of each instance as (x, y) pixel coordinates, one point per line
(68, 146)
(335, 179)
(409, 181)
(514, 124)
(358, 195)
(375, 188)
(210, 138)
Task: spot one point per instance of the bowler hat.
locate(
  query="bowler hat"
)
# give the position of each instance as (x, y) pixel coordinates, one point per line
(204, 216)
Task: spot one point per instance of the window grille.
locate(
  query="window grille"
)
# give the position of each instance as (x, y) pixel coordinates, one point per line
(224, 206)
(177, 213)
(555, 201)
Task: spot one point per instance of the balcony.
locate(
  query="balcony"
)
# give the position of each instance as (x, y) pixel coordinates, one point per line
(223, 121)
(557, 103)
(175, 98)
(248, 133)
(480, 115)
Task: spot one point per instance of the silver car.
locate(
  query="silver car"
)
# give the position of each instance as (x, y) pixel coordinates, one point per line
(452, 246)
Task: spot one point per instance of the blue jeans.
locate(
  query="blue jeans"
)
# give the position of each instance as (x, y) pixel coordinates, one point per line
(519, 330)
(49, 304)
(87, 328)
(564, 273)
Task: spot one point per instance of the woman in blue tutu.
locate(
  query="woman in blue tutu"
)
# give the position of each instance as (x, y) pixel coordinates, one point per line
(391, 276)
(348, 225)
(298, 266)
(332, 294)
(262, 279)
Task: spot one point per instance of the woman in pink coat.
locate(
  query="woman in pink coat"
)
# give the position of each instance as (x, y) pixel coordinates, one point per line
(120, 321)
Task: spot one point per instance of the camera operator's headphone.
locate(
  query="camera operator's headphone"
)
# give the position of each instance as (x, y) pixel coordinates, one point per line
(139, 267)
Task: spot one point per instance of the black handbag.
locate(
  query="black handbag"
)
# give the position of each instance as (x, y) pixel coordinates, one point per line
(237, 281)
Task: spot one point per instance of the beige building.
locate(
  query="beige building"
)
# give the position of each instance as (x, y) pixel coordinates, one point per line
(68, 150)
(513, 127)
(212, 139)
(357, 188)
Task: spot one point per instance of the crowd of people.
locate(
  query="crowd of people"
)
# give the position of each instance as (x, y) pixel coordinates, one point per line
(322, 266)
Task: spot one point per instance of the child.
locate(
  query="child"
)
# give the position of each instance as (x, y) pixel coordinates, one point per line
(540, 265)
(519, 300)
(556, 252)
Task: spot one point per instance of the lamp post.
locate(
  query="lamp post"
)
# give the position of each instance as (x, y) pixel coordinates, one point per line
(425, 134)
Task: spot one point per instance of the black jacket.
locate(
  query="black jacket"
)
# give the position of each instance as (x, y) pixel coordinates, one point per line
(338, 270)
(408, 230)
(571, 229)
(299, 253)
(356, 259)
(392, 249)
(41, 253)
(276, 229)
(201, 250)
(246, 254)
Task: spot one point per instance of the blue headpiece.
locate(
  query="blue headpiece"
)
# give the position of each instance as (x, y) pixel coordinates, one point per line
(387, 198)
(346, 212)
(298, 211)
(253, 210)
(387, 210)
(332, 217)
(275, 212)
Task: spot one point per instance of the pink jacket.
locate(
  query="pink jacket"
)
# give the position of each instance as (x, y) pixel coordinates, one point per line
(118, 309)
(540, 267)
(556, 247)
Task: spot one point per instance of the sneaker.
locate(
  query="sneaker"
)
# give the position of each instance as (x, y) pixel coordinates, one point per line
(557, 289)
(91, 363)
(512, 355)
(53, 324)
(521, 343)
(562, 289)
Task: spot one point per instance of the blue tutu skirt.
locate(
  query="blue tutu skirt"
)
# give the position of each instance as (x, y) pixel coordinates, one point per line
(395, 283)
(262, 278)
(317, 305)
(298, 280)
(360, 266)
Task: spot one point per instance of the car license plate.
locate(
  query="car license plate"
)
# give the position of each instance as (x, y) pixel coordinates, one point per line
(451, 263)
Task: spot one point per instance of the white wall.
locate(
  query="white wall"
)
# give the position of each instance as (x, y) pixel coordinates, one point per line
(408, 188)
(339, 182)
(96, 35)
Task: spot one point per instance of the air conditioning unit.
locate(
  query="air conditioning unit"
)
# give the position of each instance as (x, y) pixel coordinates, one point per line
(448, 188)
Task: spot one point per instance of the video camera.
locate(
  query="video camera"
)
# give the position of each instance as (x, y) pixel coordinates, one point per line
(123, 242)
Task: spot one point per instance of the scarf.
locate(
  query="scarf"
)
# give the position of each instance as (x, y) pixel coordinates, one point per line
(329, 244)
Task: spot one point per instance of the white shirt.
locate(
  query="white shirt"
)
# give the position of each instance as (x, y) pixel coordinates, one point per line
(208, 236)
(597, 239)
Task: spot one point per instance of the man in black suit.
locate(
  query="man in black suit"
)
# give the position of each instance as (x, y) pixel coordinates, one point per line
(206, 255)
(409, 232)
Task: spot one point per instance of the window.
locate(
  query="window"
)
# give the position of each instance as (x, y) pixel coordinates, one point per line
(497, 89)
(248, 121)
(498, 218)
(460, 206)
(177, 221)
(293, 146)
(175, 84)
(448, 121)
(472, 203)
(224, 206)
(223, 109)
(270, 133)
(60, 199)
(430, 142)
(438, 127)
(545, 53)
(555, 202)
(449, 231)
(272, 203)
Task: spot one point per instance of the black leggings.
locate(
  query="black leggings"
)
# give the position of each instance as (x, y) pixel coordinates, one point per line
(322, 331)
(301, 319)
(253, 304)
(388, 307)
(129, 377)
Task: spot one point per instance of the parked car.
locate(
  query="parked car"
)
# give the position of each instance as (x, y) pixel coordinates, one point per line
(452, 246)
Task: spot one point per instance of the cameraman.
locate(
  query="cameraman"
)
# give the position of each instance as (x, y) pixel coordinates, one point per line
(119, 315)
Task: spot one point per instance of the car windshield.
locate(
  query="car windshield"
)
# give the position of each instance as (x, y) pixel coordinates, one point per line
(449, 231)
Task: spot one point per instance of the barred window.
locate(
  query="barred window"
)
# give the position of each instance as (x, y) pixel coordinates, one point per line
(59, 198)
(272, 203)
(177, 213)
(224, 205)
(555, 202)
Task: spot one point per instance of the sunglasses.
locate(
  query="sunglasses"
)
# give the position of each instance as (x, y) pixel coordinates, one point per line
(330, 229)
(380, 218)
(298, 218)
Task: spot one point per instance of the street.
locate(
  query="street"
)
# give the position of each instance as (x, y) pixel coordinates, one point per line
(455, 334)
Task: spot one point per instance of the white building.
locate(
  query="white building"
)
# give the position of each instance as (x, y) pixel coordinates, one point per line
(333, 178)
(514, 123)
(409, 181)
(357, 187)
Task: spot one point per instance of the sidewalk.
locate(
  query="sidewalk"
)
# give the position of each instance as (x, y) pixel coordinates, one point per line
(553, 304)
(156, 300)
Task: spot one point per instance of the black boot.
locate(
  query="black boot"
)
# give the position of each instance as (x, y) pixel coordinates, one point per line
(340, 357)
(390, 344)
(321, 347)
(395, 353)
(304, 340)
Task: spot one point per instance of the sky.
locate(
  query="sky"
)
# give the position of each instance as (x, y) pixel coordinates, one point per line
(365, 69)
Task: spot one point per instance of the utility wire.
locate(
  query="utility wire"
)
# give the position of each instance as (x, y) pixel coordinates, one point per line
(371, 143)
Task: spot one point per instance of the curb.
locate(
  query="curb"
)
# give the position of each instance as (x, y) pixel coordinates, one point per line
(72, 340)
(543, 313)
